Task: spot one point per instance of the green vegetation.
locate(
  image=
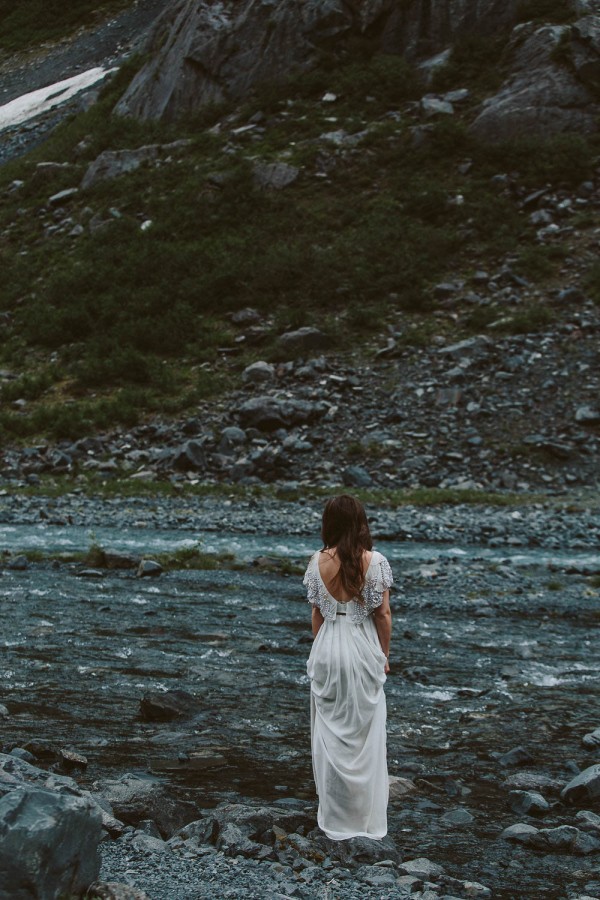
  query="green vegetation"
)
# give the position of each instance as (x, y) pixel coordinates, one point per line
(122, 321)
(93, 485)
(27, 23)
(555, 11)
(476, 61)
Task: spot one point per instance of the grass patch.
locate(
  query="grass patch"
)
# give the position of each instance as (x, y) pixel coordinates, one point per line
(29, 23)
(554, 11)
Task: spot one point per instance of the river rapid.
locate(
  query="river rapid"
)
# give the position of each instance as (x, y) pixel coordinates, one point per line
(494, 648)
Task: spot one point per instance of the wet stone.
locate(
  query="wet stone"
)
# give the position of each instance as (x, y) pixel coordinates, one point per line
(528, 803)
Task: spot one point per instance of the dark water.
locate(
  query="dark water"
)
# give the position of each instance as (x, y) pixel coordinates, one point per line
(485, 658)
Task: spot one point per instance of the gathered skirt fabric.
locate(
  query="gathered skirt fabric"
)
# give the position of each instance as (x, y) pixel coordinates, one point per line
(348, 716)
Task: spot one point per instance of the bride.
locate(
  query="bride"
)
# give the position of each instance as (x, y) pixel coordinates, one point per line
(348, 586)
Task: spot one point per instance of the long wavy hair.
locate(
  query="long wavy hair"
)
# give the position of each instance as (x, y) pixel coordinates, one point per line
(345, 527)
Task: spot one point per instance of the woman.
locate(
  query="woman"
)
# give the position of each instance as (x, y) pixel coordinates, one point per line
(348, 585)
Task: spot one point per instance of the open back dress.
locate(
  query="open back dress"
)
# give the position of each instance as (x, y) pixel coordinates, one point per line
(348, 709)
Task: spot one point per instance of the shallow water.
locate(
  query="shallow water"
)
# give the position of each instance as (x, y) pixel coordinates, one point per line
(482, 661)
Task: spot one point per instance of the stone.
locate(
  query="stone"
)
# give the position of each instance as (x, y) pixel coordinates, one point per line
(528, 803)
(69, 759)
(303, 339)
(48, 844)
(421, 868)
(458, 817)
(276, 175)
(63, 197)
(471, 347)
(592, 740)
(585, 786)
(587, 415)
(149, 568)
(114, 163)
(258, 372)
(270, 413)
(114, 890)
(515, 757)
(400, 787)
(164, 707)
(356, 476)
(434, 106)
(18, 564)
(134, 800)
(531, 781)
(190, 455)
(4, 713)
(231, 438)
(588, 821)
(521, 833)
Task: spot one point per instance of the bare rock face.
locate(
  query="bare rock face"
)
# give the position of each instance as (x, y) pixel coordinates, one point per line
(203, 53)
(544, 95)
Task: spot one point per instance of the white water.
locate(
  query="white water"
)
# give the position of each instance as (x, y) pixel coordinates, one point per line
(141, 541)
(37, 102)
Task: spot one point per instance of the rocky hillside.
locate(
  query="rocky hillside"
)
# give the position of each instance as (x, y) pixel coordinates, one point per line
(365, 253)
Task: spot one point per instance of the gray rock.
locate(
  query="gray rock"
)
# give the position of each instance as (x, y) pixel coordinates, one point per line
(270, 413)
(134, 800)
(458, 817)
(515, 757)
(588, 821)
(434, 106)
(356, 476)
(63, 197)
(114, 163)
(421, 868)
(275, 176)
(592, 740)
(190, 456)
(522, 833)
(303, 339)
(231, 438)
(531, 781)
(587, 415)
(528, 803)
(541, 97)
(471, 347)
(114, 890)
(164, 707)
(4, 713)
(48, 844)
(259, 372)
(585, 786)
(18, 564)
(149, 568)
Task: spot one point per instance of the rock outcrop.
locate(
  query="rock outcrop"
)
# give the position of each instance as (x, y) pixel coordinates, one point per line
(555, 71)
(48, 844)
(203, 53)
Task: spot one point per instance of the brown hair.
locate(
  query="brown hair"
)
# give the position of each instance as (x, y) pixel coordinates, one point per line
(345, 527)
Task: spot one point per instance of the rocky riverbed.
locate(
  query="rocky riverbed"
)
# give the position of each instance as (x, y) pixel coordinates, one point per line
(184, 699)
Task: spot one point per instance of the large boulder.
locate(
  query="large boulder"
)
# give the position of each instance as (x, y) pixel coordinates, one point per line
(543, 96)
(48, 845)
(202, 53)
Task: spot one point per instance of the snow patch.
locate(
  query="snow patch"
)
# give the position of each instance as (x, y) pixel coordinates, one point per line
(37, 102)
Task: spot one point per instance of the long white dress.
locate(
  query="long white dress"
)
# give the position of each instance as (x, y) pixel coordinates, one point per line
(348, 708)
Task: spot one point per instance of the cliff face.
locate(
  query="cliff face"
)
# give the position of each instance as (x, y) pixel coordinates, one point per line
(205, 52)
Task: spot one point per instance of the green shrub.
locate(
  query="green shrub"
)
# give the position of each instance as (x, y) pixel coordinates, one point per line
(30, 22)
(555, 11)
(475, 61)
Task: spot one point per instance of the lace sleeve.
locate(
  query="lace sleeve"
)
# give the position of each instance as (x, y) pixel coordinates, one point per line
(380, 580)
(311, 583)
(315, 590)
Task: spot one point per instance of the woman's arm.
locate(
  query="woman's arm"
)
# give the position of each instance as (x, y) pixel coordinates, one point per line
(317, 620)
(383, 623)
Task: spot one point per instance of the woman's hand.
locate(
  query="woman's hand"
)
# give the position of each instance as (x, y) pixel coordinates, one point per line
(386, 668)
